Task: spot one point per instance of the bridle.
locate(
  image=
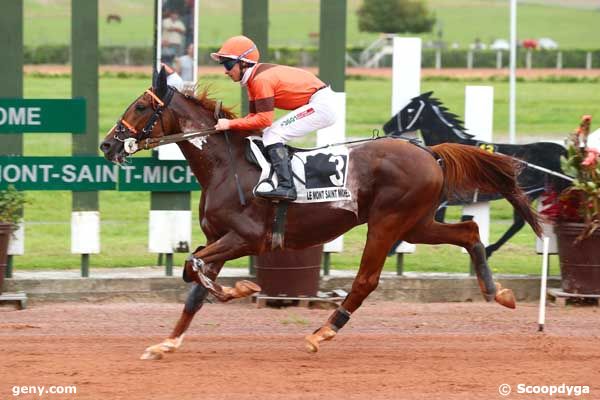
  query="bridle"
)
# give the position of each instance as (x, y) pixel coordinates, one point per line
(125, 132)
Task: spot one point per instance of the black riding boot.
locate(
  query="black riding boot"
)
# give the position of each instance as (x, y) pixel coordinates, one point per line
(281, 164)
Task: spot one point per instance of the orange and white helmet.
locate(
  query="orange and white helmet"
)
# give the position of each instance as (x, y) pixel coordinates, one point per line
(238, 48)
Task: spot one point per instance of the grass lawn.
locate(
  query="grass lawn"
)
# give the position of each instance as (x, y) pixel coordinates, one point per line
(291, 22)
(125, 215)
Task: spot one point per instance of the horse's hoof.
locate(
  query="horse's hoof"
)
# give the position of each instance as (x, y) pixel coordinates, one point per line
(506, 297)
(151, 354)
(158, 351)
(246, 288)
(171, 345)
(312, 341)
(311, 345)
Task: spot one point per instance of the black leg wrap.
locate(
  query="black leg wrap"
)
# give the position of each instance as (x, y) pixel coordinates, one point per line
(195, 299)
(483, 271)
(339, 318)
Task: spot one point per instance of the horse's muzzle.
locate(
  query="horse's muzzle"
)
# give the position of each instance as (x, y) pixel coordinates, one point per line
(113, 150)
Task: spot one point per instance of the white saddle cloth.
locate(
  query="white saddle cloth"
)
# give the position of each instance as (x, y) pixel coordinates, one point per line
(320, 175)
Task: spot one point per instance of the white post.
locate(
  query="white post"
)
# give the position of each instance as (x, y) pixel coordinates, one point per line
(479, 121)
(406, 84)
(169, 230)
(16, 244)
(335, 133)
(547, 232)
(512, 108)
(544, 278)
(85, 232)
(588, 60)
(438, 58)
(170, 152)
(406, 73)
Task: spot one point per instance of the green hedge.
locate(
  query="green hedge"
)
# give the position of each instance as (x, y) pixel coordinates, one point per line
(454, 58)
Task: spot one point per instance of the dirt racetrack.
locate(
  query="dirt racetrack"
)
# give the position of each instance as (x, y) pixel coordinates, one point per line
(389, 350)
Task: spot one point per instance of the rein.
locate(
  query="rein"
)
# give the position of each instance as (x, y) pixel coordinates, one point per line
(546, 170)
(150, 143)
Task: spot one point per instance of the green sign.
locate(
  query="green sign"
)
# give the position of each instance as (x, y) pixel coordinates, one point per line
(151, 174)
(42, 115)
(95, 173)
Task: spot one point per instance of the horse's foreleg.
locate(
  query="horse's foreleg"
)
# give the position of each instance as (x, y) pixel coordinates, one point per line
(193, 304)
(465, 234)
(228, 247)
(365, 282)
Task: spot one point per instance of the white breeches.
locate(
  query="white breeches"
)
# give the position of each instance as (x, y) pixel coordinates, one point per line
(317, 114)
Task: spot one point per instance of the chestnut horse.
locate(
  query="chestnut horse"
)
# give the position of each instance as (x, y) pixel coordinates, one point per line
(397, 191)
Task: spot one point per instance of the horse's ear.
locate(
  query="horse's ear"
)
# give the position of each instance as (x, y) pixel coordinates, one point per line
(427, 94)
(160, 85)
(154, 77)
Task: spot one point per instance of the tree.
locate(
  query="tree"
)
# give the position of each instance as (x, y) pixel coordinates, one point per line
(395, 16)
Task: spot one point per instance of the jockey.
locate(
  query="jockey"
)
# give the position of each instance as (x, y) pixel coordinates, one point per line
(273, 86)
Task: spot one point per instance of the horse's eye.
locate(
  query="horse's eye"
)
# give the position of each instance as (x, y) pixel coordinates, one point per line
(140, 107)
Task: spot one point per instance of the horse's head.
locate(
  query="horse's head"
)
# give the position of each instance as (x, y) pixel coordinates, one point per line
(427, 114)
(144, 118)
(410, 117)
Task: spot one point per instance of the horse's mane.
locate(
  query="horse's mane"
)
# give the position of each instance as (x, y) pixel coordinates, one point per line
(202, 98)
(444, 113)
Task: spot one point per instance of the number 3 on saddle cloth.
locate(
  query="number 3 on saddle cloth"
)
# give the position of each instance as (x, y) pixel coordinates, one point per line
(320, 175)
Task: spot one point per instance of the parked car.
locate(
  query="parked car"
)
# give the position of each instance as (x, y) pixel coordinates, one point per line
(500, 44)
(531, 44)
(547, 44)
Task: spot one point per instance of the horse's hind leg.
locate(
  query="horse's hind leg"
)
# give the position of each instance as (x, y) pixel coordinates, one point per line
(378, 243)
(465, 234)
(518, 224)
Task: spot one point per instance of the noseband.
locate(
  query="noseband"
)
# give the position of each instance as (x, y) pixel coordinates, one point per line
(126, 132)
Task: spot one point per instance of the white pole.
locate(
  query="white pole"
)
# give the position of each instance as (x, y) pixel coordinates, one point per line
(479, 121)
(542, 313)
(406, 71)
(406, 84)
(335, 133)
(512, 75)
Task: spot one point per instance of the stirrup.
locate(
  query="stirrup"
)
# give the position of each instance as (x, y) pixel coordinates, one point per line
(280, 194)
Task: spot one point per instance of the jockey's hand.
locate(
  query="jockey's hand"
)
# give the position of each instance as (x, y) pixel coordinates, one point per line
(222, 124)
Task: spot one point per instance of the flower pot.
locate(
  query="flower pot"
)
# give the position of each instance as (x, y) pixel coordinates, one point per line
(579, 262)
(5, 232)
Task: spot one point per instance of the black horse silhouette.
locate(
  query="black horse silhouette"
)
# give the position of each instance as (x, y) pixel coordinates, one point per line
(438, 125)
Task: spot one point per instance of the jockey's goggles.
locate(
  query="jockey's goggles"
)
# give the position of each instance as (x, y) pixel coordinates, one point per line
(229, 63)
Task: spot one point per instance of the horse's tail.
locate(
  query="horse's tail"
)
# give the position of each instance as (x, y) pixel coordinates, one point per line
(469, 168)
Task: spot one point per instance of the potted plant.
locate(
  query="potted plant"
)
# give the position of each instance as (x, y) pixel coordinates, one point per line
(576, 215)
(11, 204)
